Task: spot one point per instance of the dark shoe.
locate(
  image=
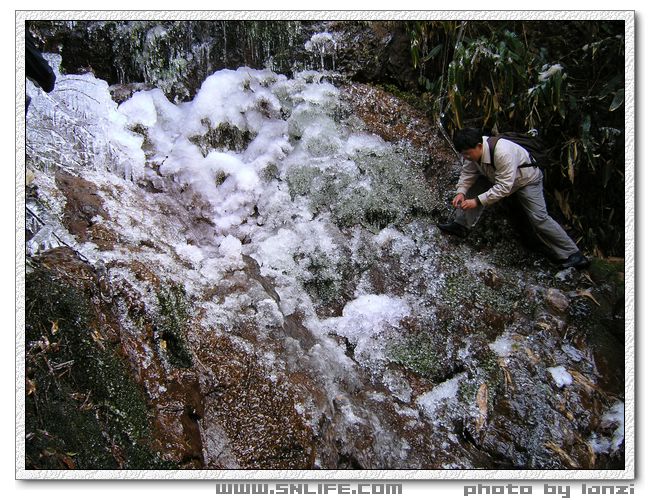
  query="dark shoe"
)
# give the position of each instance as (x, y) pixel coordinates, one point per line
(576, 260)
(454, 228)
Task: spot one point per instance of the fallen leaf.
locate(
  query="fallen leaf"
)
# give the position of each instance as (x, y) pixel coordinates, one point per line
(69, 462)
(482, 403)
(29, 177)
(507, 378)
(587, 293)
(591, 454)
(583, 381)
(588, 278)
(55, 326)
(563, 454)
(97, 337)
(533, 357)
(30, 386)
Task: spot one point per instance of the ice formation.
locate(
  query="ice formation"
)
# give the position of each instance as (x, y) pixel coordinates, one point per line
(550, 72)
(614, 421)
(266, 166)
(268, 182)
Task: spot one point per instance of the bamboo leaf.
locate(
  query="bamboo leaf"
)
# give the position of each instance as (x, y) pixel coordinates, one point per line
(619, 99)
(434, 52)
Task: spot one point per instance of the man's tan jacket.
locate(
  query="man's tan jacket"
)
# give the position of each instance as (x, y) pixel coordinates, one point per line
(504, 172)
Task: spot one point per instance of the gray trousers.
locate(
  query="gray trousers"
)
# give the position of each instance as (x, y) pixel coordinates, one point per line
(531, 198)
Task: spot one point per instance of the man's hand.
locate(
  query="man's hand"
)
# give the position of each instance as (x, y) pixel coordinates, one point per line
(469, 204)
(458, 199)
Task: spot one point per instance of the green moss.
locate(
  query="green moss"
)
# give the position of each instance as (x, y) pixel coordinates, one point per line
(417, 355)
(489, 364)
(468, 390)
(421, 102)
(300, 180)
(224, 137)
(423, 354)
(270, 172)
(171, 323)
(328, 279)
(608, 270)
(399, 190)
(385, 190)
(486, 371)
(83, 409)
(485, 309)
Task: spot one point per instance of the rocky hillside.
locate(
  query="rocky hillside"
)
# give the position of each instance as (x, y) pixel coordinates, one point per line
(252, 278)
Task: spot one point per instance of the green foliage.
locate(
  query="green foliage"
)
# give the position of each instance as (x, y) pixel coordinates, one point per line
(172, 324)
(563, 79)
(224, 137)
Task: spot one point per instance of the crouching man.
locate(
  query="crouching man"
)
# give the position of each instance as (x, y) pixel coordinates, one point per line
(484, 181)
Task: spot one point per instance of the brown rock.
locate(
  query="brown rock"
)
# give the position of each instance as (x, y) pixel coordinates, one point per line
(556, 299)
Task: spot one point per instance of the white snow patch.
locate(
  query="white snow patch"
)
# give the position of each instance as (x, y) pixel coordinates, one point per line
(431, 401)
(614, 418)
(548, 73)
(189, 253)
(369, 314)
(502, 345)
(230, 248)
(560, 375)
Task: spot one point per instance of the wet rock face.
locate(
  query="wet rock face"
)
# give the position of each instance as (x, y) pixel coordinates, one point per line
(177, 56)
(82, 206)
(274, 286)
(374, 52)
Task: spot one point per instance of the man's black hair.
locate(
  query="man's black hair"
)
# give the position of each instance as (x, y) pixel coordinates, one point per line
(467, 138)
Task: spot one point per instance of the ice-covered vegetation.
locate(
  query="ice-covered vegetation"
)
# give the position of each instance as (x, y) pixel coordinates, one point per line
(259, 233)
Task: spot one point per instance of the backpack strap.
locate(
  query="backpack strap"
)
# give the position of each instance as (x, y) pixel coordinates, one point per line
(492, 144)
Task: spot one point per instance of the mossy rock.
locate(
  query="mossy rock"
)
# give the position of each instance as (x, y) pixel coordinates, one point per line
(83, 410)
(426, 353)
(611, 270)
(300, 180)
(173, 310)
